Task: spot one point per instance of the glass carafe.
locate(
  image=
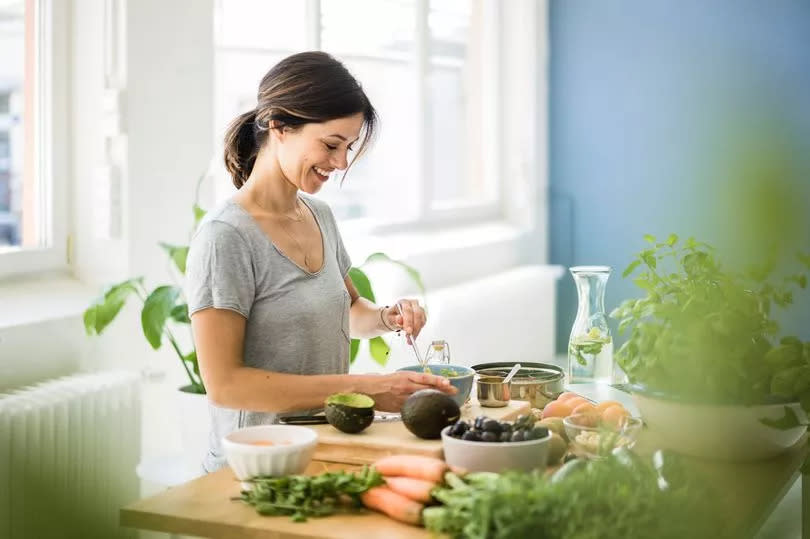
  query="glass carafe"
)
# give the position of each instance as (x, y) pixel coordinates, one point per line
(590, 348)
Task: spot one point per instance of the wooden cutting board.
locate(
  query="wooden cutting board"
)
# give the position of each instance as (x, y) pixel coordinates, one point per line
(391, 437)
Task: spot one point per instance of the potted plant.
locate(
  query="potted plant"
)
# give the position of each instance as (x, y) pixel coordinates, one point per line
(164, 313)
(710, 372)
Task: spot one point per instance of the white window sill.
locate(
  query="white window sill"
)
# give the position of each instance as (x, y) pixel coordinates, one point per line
(29, 300)
(417, 242)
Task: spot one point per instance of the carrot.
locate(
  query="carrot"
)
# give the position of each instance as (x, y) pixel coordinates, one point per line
(415, 466)
(396, 506)
(417, 490)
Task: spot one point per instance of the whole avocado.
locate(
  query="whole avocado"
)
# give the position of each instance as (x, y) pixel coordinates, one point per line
(426, 412)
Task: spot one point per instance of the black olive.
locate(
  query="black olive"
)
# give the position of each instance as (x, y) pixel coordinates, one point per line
(471, 436)
(517, 436)
(506, 436)
(506, 426)
(491, 425)
(489, 436)
(459, 428)
(479, 421)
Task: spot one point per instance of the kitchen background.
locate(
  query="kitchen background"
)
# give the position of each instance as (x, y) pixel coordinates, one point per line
(561, 131)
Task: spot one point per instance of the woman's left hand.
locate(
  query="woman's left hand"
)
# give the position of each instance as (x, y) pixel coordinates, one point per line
(411, 320)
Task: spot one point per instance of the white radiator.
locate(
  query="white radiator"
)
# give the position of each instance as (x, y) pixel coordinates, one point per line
(68, 451)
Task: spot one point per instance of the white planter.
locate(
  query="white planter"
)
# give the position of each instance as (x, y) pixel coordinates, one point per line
(195, 425)
(719, 432)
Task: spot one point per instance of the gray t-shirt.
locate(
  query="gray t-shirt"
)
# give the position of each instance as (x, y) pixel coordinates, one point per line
(297, 321)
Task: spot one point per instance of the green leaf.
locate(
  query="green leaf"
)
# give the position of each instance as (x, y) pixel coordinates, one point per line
(672, 240)
(804, 258)
(804, 400)
(156, 309)
(633, 265)
(99, 315)
(649, 238)
(199, 213)
(379, 350)
(354, 347)
(787, 421)
(411, 271)
(784, 382)
(180, 314)
(361, 283)
(179, 254)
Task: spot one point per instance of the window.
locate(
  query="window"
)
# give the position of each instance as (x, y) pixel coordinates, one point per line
(32, 223)
(429, 67)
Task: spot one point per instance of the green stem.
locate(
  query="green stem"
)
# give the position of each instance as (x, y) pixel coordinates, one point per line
(182, 358)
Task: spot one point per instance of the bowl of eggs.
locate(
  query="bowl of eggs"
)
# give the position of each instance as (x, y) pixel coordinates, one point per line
(594, 428)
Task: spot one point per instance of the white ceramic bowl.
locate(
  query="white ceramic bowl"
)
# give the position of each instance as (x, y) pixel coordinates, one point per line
(495, 456)
(719, 432)
(290, 453)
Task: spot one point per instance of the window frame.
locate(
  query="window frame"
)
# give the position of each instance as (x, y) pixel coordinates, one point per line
(429, 214)
(51, 145)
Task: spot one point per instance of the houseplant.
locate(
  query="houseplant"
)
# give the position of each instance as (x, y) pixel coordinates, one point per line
(705, 353)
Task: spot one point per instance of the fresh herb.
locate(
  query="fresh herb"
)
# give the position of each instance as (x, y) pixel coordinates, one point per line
(590, 344)
(303, 496)
(619, 496)
(446, 372)
(705, 332)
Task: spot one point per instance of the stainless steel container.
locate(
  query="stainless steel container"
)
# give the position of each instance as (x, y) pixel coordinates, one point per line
(492, 392)
(537, 383)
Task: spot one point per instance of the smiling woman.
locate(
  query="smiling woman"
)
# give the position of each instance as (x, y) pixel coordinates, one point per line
(271, 303)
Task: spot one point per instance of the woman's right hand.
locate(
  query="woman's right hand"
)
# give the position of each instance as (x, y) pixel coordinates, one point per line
(390, 391)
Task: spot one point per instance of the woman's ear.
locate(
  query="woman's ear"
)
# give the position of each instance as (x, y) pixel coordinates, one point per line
(277, 131)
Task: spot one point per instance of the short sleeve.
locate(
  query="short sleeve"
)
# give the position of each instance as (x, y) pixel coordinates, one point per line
(219, 270)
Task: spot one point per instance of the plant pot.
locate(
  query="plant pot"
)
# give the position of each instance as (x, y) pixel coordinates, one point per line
(719, 432)
(195, 426)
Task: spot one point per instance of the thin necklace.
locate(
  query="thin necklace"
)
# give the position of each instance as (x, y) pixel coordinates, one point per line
(300, 218)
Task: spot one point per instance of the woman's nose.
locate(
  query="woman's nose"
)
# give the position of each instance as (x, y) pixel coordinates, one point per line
(340, 160)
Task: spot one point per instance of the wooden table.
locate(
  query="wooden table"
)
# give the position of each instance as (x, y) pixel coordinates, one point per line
(746, 495)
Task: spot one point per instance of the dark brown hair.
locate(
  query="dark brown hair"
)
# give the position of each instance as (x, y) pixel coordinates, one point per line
(309, 87)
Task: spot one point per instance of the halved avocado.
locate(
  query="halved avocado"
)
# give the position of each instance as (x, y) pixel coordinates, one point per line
(426, 412)
(350, 412)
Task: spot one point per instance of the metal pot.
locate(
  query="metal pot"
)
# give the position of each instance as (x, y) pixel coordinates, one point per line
(537, 383)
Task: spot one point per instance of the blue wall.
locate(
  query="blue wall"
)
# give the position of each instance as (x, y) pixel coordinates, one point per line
(659, 112)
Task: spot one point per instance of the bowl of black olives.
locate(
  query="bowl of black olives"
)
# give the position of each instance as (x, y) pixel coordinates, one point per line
(489, 445)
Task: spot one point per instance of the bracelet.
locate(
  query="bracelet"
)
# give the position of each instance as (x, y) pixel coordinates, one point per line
(382, 319)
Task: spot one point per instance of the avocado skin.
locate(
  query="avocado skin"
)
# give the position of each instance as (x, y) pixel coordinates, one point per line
(349, 419)
(426, 412)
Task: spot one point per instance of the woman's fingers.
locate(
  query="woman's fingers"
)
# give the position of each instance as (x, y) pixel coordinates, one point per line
(413, 317)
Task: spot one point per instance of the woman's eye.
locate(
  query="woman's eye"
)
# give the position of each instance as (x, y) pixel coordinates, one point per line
(331, 148)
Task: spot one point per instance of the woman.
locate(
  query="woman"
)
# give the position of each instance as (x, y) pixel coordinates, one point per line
(271, 303)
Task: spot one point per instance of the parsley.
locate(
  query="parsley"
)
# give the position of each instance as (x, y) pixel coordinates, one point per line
(303, 496)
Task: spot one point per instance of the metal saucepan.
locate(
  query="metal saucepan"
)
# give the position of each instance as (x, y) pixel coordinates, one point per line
(537, 383)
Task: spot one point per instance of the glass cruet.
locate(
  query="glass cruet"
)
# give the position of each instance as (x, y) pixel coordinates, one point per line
(438, 353)
(590, 347)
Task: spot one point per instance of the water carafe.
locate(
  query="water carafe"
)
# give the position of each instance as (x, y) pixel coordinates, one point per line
(590, 347)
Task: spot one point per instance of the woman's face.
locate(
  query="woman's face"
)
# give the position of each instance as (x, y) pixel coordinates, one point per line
(309, 154)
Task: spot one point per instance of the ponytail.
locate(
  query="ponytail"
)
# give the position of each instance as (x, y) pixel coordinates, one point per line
(243, 139)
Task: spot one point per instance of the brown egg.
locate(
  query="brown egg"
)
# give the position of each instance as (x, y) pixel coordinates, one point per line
(576, 401)
(585, 408)
(556, 409)
(614, 415)
(602, 406)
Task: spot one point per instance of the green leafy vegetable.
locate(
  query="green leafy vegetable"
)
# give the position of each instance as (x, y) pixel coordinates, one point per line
(303, 496)
(619, 496)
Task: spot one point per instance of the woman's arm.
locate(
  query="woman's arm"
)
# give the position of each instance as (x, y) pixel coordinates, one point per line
(367, 320)
(219, 340)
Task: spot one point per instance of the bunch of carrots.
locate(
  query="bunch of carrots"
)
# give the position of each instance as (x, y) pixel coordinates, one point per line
(409, 481)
